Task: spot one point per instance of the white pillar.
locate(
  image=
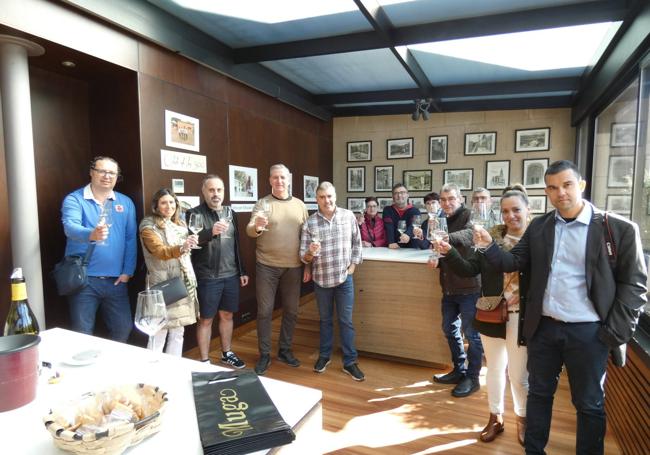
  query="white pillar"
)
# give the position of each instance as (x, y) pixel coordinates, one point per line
(19, 157)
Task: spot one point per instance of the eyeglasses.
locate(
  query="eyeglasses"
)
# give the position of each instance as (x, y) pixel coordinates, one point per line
(444, 200)
(371, 206)
(105, 173)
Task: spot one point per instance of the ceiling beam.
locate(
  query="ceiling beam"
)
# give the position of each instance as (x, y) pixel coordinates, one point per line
(559, 84)
(519, 21)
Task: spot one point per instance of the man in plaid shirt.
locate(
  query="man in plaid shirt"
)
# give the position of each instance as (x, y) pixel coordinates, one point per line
(330, 245)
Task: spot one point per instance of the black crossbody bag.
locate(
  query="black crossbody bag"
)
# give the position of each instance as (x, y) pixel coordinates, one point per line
(70, 275)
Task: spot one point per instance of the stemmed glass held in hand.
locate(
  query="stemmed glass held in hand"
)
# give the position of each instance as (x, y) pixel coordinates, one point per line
(417, 222)
(150, 313)
(480, 217)
(226, 217)
(401, 227)
(195, 225)
(263, 211)
(315, 239)
(105, 218)
(438, 231)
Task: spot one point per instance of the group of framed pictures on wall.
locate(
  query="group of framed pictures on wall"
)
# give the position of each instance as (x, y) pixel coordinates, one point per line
(620, 171)
(497, 172)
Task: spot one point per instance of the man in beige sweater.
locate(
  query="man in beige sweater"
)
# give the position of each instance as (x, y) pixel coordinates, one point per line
(276, 222)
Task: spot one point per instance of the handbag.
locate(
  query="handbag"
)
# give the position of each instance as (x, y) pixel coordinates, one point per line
(493, 309)
(173, 290)
(70, 275)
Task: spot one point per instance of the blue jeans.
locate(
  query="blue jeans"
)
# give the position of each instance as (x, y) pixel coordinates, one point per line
(458, 312)
(578, 347)
(343, 297)
(113, 302)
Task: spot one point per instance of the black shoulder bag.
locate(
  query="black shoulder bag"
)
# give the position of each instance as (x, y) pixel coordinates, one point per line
(70, 274)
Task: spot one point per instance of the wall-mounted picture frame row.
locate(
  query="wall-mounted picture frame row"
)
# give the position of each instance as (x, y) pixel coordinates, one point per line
(497, 176)
(483, 143)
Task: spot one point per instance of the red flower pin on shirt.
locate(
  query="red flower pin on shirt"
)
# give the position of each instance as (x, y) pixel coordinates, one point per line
(119, 208)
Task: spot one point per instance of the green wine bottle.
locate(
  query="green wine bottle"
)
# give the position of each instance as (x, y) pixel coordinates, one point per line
(21, 319)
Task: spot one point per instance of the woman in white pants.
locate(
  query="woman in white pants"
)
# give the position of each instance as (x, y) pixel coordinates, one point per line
(166, 247)
(503, 348)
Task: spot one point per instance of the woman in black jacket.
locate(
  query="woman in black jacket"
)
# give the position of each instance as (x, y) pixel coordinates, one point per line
(503, 347)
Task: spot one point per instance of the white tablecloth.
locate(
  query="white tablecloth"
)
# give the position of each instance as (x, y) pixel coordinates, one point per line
(397, 255)
(22, 430)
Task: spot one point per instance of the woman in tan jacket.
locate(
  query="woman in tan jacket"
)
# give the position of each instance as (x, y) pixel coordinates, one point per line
(166, 246)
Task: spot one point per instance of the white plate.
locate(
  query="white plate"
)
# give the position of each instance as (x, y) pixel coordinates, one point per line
(83, 357)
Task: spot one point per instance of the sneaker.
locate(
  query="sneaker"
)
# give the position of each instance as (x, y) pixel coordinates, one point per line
(321, 364)
(354, 371)
(288, 358)
(263, 364)
(230, 358)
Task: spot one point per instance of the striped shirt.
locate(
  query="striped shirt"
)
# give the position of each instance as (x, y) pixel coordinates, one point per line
(340, 242)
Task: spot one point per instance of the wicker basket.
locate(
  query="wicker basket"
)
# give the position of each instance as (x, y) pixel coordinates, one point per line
(117, 437)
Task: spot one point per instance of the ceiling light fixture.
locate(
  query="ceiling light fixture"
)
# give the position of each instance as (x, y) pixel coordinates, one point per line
(422, 108)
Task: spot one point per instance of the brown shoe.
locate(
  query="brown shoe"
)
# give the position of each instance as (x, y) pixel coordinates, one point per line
(521, 429)
(492, 429)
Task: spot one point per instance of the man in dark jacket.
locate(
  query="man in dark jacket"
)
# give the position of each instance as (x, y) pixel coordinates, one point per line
(219, 271)
(459, 301)
(587, 287)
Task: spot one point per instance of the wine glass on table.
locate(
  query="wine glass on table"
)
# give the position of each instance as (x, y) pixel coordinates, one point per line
(226, 217)
(196, 226)
(105, 218)
(150, 313)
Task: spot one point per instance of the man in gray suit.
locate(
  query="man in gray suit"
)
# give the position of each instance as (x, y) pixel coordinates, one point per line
(587, 287)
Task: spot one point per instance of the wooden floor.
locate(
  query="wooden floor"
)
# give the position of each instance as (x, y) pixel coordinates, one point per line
(397, 409)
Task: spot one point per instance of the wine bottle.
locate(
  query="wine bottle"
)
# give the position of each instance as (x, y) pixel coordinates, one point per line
(21, 319)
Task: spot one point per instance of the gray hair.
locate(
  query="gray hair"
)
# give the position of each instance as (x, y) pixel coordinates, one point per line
(210, 177)
(449, 187)
(480, 189)
(324, 186)
(279, 166)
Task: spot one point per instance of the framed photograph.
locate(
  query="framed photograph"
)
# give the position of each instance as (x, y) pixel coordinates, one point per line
(357, 204)
(181, 131)
(418, 180)
(619, 203)
(310, 184)
(399, 148)
(497, 174)
(178, 186)
(621, 171)
(360, 151)
(418, 203)
(243, 183)
(623, 135)
(481, 143)
(534, 172)
(384, 202)
(383, 178)
(356, 179)
(464, 178)
(437, 149)
(532, 140)
(537, 204)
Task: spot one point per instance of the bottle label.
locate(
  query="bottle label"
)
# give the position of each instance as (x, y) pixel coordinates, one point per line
(18, 291)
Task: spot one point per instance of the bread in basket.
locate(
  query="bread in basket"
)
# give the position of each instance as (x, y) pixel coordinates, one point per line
(107, 422)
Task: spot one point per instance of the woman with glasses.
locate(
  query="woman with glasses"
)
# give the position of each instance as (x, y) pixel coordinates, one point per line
(372, 228)
(502, 345)
(166, 247)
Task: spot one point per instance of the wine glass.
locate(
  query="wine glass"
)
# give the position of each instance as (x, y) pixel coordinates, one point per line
(226, 217)
(264, 210)
(196, 225)
(401, 226)
(440, 231)
(417, 223)
(105, 218)
(480, 216)
(315, 238)
(150, 313)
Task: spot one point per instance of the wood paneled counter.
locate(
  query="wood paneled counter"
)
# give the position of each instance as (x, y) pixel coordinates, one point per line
(397, 306)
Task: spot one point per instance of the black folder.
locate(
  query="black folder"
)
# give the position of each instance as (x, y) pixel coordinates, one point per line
(236, 415)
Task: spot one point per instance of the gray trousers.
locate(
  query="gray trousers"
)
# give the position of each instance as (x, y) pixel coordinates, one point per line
(269, 279)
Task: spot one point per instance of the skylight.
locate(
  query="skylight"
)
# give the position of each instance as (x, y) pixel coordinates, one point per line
(270, 12)
(539, 50)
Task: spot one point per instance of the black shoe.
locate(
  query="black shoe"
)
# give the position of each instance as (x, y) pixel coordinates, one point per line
(231, 359)
(288, 358)
(466, 387)
(321, 364)
(453, 377)
(263, 364)
(354, 371)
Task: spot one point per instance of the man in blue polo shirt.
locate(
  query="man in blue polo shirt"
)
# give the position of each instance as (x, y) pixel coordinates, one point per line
(113, 261)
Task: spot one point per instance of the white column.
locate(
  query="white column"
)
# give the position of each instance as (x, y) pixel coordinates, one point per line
(19, 157)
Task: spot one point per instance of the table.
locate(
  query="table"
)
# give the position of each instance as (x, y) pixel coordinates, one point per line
(23, 431)
(397, 307)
